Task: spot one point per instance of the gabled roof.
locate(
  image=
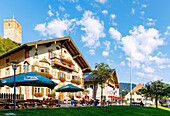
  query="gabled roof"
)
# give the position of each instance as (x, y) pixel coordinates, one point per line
(66, 41)
(139, 86)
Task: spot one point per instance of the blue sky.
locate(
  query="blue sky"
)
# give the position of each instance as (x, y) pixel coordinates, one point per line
(106, 31)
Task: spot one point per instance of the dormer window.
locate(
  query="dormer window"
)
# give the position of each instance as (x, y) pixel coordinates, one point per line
(51, 55)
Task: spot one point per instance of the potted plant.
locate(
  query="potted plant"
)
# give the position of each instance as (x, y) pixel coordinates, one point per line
(70, 96)
(62, 79)
(70, 62)
(73, 81)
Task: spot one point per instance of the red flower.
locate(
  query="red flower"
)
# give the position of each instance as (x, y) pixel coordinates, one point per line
(62, 79)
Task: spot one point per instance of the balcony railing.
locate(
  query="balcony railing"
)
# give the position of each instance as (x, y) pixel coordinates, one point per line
(11, 96)
(62, 65)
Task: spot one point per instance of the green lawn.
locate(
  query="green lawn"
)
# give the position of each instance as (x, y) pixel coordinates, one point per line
(92, 111)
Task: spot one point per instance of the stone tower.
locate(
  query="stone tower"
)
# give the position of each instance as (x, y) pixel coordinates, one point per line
(12, 30)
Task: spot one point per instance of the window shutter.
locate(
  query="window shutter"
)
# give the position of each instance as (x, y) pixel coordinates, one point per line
(20, 69)
(67, 94)
(75, 93)
(32, 68)
(58, 75)
(20, 90)
(64, 75)
(42, 91)
(46, 91)
(33, 90)
(54, 92)
(79, 93)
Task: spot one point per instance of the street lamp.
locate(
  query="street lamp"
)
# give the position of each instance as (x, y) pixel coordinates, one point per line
(14, 65)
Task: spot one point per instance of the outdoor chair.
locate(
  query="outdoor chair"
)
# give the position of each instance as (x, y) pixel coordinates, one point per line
(2, 106)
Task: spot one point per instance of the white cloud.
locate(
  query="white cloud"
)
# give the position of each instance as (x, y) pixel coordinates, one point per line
(50, 13)
(107, 43)
(94, 29)
(113, 16)
(57, 14)
(133, 11)
(168, 31)
(49, 6)
(144, 6)
(105, 12)
(79, 8)
(151, 22)
(159, 60)
(148, 69)
(61, 8)
(115, 34)
(71, 1)
(141, 43)
(92, 52)
(105, 53)
(101, 1)
(142, 13)
(41, 28)
(149, 76)
(122, 63)
(55, 28)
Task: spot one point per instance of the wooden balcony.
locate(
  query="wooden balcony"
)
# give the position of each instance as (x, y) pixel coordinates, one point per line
(57, 63)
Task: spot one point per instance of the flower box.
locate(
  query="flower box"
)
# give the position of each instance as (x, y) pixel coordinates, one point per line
(38, 94)
(62, 79)
(78, 82)
(73, 81)
(51, 95)
(78, 96)
(49, 76)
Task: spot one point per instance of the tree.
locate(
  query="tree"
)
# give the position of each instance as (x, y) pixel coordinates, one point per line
(102, 74)
(155, 89)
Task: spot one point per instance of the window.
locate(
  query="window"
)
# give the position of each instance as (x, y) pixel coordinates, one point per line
(51, 55)
(18, 90)
(85, 87)
(46, 70)
(18, 70)
(37, 90)
(7, 60)
(7, 72)
(49, 91)
(8, 24)
(61, 75)
(7, 90)
(91, 86)
(26, 67)
(68, 76)
(36, 68)
(42, 69)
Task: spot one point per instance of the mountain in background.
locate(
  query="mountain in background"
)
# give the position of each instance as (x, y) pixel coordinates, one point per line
(125, 86)
(6, 45)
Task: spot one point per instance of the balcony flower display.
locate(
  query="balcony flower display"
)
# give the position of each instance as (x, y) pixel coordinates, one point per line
(70, 62)
(73, 81)
(38, 94)
(64, 60)
(51, 95)
(78, 96)
(62, 79)
(45, 75)
(78, 82)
